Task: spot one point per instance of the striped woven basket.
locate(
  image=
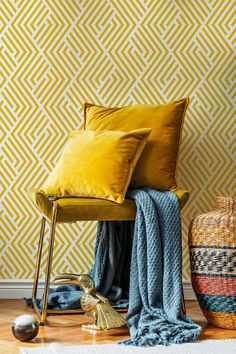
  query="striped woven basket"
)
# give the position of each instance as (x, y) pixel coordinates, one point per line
(212, 244)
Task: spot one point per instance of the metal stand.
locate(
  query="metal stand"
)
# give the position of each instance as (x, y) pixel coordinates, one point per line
(42, 313)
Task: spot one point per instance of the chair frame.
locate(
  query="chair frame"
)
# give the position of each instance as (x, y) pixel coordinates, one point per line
(42, 313)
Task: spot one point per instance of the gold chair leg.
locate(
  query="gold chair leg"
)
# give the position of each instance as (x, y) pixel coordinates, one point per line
(49, 265)
(183, 310)
(38, 261)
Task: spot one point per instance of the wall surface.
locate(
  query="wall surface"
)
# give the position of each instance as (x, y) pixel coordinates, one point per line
(57, 54)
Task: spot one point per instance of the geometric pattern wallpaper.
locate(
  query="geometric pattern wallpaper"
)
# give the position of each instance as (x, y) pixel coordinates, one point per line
(57, 54)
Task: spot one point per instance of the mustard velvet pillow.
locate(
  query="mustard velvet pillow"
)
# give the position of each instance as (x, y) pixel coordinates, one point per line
(156, 167)
(97, 164)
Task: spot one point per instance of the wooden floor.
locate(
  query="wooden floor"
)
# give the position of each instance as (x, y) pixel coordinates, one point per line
(67, 329)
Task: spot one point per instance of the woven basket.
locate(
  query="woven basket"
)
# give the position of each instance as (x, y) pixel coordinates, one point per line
(212, 244)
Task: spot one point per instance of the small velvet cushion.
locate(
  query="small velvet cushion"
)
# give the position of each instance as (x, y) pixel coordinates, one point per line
(97, 164)
(156, 167)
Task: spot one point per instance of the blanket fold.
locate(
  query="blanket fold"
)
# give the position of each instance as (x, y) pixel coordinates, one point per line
(140, 265)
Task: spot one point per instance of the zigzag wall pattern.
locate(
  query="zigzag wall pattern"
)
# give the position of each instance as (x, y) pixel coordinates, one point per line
(57, 54)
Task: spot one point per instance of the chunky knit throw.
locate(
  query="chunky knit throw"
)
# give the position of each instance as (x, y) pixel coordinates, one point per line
(140, 265)
(155, 291)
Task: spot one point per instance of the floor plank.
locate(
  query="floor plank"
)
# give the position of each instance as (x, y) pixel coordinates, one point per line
(67, 329)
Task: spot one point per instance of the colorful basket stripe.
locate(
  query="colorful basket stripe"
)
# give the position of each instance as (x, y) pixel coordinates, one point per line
(214, 285)
(212, 244)
(203, 239)
(220, 319)
(213, 260)
(215, 303)
(217, 247)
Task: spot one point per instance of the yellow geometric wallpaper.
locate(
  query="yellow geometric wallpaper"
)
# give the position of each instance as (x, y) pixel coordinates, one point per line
(57, 54)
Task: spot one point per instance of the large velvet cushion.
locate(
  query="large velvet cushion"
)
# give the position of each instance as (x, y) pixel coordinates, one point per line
(156, 167)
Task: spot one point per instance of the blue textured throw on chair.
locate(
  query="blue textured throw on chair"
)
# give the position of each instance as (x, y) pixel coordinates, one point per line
(155, 292)
(142, 262)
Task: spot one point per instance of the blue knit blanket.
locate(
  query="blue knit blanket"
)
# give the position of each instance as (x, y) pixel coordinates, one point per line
(140, 265)
(155, 292)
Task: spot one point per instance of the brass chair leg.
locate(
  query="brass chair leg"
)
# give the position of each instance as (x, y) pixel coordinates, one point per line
(38, 261)
(49, 265)
(183, 310)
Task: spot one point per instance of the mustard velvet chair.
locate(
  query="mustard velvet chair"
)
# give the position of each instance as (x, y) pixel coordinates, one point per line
(155, 168)
(71, 210)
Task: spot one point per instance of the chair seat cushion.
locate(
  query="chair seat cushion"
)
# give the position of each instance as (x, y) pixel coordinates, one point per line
(72, 209)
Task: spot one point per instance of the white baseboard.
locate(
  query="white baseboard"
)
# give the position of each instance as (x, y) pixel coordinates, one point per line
(18, 289)
(188, 291)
